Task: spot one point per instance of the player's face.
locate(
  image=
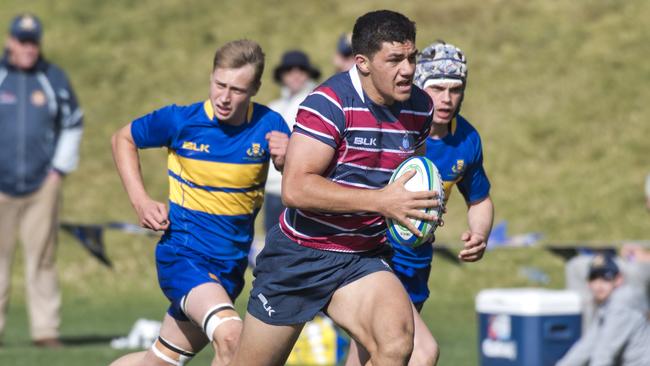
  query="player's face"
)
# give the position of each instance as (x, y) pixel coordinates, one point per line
(230, 93)
(391, 72)
(601, 288)
(23, 55)
(446, 98)
(294, 79)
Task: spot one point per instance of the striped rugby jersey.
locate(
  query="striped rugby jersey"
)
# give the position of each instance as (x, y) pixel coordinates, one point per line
(369, 142)
(216, 174)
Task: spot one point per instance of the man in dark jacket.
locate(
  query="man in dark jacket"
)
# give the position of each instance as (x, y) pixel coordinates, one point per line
(41, 127)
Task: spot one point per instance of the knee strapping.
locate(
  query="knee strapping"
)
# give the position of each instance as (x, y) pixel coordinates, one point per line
(171, 353)
(212, 321)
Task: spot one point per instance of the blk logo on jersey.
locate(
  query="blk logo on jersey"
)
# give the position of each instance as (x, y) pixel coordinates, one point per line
(365, 141)
(189, 145)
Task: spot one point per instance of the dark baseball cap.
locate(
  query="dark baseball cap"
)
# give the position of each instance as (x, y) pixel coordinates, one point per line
(26, 28)
(344, 45)
(603, 266)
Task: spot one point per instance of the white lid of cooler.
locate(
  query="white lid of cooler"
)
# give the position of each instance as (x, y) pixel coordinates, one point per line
(528, 301)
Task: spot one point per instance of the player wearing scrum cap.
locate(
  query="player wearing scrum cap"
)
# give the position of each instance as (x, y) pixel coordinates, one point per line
(454, 146)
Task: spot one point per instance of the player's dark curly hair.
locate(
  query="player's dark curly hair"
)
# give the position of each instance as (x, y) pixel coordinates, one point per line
(374, 28)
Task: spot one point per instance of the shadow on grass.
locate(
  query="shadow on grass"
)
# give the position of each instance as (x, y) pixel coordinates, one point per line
(88, 340)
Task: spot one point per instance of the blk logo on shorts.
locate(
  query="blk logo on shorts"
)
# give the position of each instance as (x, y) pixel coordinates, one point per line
(265, 304)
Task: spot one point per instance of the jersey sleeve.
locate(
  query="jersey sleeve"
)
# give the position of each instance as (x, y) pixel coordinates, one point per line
(475, 185)
(66, 154)
(321, 117)
(156, 129)
(282, 126)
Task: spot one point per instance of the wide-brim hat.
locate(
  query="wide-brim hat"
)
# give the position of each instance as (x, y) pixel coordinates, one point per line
(298, 59)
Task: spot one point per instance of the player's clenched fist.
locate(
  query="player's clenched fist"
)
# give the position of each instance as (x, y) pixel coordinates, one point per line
(473, 248)
(152, 215)
(278, 142)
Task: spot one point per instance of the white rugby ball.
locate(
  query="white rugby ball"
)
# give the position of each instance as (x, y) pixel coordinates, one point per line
(426, 178)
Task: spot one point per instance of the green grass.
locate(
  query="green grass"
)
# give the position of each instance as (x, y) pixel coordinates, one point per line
(556, 89)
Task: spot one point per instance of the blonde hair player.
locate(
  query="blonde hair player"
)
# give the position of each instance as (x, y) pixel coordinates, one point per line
(219, 154)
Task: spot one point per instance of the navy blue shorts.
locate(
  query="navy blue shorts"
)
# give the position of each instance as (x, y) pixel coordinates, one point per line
(294, 283)
(415, 281)
(180, 270)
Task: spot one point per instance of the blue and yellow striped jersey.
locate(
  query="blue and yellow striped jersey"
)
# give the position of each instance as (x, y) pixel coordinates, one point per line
(216, 174)
(459, 159)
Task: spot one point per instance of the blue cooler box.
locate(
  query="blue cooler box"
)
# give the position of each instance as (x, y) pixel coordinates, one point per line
(526, 326)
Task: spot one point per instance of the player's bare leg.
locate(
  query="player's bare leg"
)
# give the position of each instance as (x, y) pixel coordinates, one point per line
(264, 344)
(211, 309)
(425, 350)
(357, 355)
(178, 339)
(375, 310)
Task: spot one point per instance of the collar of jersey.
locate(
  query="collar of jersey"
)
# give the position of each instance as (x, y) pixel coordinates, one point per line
(209, 111)
(452, 126)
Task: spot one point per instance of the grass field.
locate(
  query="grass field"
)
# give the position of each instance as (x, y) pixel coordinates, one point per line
(556, 89)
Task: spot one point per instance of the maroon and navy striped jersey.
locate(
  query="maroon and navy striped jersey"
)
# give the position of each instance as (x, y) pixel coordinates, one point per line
(370, 141)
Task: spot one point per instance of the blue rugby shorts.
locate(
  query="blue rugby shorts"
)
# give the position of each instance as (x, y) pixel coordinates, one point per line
(415, 281)
(181, 269)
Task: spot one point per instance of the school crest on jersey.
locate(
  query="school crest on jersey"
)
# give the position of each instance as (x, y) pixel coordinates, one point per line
(459, 167)
(256, 151)
(407, 143)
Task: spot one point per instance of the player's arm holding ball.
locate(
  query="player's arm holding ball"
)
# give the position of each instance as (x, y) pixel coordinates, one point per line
(304, 186)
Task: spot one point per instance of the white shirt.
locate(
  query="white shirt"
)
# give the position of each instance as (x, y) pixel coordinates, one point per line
(287, 106)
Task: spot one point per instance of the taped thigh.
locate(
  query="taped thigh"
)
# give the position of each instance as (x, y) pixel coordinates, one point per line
(211, 320)
(171, 353)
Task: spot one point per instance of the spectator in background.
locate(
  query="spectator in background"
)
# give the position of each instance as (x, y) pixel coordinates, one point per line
(634, 265)
(618, 334)
(343, 59)
(41, 126)
(297, 77)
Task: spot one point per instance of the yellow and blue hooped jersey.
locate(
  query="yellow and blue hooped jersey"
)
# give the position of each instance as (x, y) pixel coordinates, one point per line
(459, 159)
(216, 174)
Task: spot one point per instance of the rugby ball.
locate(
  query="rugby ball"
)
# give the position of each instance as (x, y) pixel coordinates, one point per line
(427, 177)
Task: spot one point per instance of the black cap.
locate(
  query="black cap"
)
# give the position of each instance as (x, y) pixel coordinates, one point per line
(603, 266)
(298, 59)
(26, 28)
